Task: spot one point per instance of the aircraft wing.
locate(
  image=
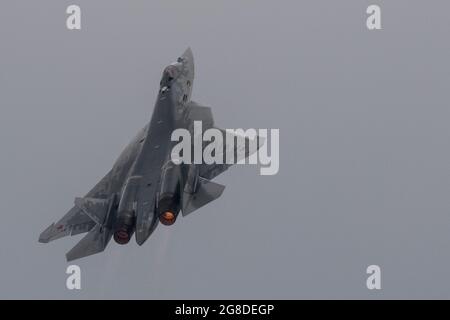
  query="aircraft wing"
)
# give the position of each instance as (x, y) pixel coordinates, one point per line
(240, 149)
(75, 221)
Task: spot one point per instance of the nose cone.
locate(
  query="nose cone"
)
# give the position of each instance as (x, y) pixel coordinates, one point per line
(188, 55)
(187, 61)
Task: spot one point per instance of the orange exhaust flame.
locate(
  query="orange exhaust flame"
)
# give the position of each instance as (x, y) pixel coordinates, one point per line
(167, 218)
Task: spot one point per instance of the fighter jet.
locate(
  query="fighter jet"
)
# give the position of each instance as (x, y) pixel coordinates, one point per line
(145, 186)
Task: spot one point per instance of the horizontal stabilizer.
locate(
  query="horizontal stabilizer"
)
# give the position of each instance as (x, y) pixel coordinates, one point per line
(206, 192)
(94, 242)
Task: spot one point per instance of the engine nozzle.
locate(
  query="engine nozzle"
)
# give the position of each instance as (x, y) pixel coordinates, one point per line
(124, 228)
(167, 218)
(168, 209)
(122, 236)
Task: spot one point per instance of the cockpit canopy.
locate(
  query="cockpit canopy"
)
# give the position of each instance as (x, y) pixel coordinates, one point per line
(169, 74)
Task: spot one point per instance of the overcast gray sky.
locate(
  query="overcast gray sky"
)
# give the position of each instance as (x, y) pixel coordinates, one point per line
(364, 152)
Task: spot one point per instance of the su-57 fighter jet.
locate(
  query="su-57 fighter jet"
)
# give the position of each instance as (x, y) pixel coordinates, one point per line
(145, 186)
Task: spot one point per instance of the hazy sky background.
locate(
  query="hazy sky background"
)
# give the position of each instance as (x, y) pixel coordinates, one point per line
(365, 145)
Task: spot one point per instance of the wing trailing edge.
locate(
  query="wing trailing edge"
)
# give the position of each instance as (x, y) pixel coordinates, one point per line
(206, 192)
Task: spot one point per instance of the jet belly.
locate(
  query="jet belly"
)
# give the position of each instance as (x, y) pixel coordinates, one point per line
(155, 150)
